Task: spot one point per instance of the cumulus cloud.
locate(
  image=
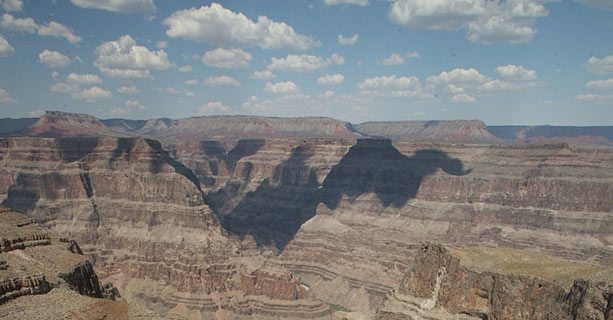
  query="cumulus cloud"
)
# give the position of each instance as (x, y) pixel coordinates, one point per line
(128, 108)
(11, 5)
(122, 6)
(217, 25)
(396, 59)
(53, 59)
(6, 50)
(11, 23)
(463, 98)
(458, 76)
(186, 68)
(58, 30)
(510, 21)
(83, 79)
(91, 94)
(123, 58)
(394, 86)
(221, 81)
(266, 74)
(233, 58)
(161, 44)
(28, 25)
(349, 40)
(5, 97)
(192, 82)
(211, 108)
(128, 90)
(331, 79)
(600, 84)
(354, 2)
(304, 63)
(281, 87)
(515, 72)
(600, 65)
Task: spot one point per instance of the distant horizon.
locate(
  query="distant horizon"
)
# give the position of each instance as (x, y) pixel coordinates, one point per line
(298, 117)
(503, 62)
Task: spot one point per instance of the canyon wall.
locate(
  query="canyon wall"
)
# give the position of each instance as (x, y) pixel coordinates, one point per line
(196, 225)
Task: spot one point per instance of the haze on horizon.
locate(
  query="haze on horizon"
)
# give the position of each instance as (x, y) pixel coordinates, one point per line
(525, 62)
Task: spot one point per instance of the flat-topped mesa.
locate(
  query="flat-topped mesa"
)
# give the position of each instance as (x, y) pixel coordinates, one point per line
(458, 131)
(237, 127)
(62, 124)
(439, 285)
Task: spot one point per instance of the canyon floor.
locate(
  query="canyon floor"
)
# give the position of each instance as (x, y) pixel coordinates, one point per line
(273, 218)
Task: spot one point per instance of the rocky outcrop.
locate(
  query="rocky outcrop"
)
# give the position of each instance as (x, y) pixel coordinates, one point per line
(438, 286)
(14, 288)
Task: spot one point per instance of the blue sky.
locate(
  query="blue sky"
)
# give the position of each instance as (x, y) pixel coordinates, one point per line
(504, 62)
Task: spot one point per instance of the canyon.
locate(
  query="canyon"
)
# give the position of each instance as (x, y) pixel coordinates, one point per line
(234, 217)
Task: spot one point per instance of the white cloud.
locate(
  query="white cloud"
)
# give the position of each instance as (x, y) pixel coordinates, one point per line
(337, 2)
(134, 104)
(28, 25)
(161, 44)
(596, 98)
(599, 4)
(452, 88)
(281, 87)
(213, 107)
(514, 72)
(600, 65)
(6, 50)
(83, 79)
(304, 63)
(331, 79)
(349, 40)
(499, 85)
(128, 90)
(463, 98)
(11, 23)
(63, 87)
(192, 82)
(125, 59)
(600, 84)
(55, 75)
(5, 97)
(396, 59)
(92, 94)
(221, 81)
(227, 58)
(11, 5)
(36, 113)
(389, 83)
(217, 25)
(458, 75)
(186, 68)
(123, 6)
(53, 59)
(511, 21)
(266, 74)
(58, 30)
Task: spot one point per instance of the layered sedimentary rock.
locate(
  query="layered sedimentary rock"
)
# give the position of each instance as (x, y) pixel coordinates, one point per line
(36, 261)
(142, 215)
(439, 286)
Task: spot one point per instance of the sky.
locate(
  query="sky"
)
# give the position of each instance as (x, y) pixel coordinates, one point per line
(524, 62)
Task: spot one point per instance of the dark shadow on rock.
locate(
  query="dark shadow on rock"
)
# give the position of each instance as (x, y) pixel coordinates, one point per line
(21, 197)
(243, 148)
(161, 157)
(124, 148)
(76, 148)
(274, 212)
(377, 166)
(217, 157)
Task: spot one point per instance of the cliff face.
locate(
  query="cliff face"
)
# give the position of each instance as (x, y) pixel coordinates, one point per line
(439, 286)
(143, 217)
(179, 226)
(35, 261)
(459, 131)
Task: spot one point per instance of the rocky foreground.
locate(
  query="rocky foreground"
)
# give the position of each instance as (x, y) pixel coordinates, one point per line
(327, 227)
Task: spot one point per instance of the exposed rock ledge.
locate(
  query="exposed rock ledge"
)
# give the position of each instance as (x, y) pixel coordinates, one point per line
(440, 286)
